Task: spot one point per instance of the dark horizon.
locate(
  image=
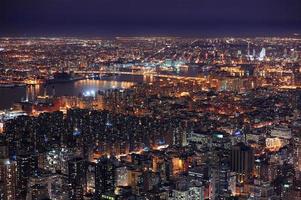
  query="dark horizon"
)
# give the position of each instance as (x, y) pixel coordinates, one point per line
(110, 18)
(105, 34)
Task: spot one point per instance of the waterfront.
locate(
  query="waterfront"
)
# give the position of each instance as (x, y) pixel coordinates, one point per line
(11, 95)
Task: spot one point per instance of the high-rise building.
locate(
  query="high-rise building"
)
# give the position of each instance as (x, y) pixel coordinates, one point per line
(242, 160)
(221, 180)
(8, 173)
(248, 53)
(297, 155)
(105, 176)
(262, 54)
(26, 167)
(91, 177)
(77, 168)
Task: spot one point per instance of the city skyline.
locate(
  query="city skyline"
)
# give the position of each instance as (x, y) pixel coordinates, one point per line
(150, 100)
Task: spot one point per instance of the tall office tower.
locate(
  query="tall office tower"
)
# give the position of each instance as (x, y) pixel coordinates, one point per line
(221, 179)
(78, 122)
(219, 147)
(91, 177)
(262, 54)
(77, 168)
(50, 129)
(105, 176)
(177, 137)
(27, 166)
(180, 134)
(297, 155)
(8, 173)
(21, 135)
(242, 161)
(218, 158)
(285, 53)
(248, 49)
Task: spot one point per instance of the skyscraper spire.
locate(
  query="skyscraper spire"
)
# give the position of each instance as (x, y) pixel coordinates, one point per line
(248, 49)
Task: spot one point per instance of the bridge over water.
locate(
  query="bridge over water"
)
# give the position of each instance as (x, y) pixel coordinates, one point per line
(141, 73)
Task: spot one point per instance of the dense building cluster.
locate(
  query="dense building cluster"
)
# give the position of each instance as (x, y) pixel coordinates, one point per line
(198, 145)
(35, 60)
(230, 130)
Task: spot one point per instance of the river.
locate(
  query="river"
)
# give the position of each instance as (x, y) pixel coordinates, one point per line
(8, 96)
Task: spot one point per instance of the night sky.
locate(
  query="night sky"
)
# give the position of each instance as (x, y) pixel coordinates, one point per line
(149, 17)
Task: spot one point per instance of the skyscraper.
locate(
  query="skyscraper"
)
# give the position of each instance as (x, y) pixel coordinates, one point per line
(105, 176)
(8, 170)
(242, 160)
(77, 168)
(262, 54)
(27, 166)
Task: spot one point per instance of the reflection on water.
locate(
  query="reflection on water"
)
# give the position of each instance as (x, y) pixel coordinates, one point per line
(96, 85)
(10, 95)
